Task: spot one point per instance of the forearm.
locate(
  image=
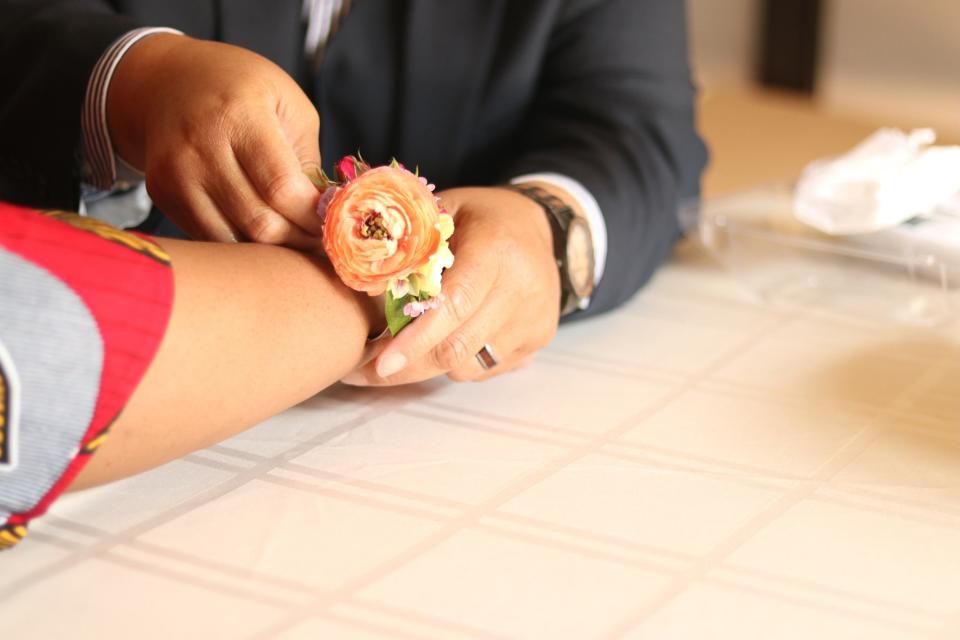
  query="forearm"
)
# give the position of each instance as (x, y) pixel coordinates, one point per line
(254, 330)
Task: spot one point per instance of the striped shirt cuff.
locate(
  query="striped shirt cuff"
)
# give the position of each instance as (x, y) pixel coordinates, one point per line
(100, 161)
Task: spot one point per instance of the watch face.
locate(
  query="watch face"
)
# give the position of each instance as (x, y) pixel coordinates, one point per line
(580, 261)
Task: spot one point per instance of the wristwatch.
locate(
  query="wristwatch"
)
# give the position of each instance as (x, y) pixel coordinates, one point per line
(572, 248)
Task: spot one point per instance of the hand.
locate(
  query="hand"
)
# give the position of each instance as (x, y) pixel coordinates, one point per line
(222, 134)
(503, 290)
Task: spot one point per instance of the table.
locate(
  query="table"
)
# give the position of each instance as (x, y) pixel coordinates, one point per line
(694, 465)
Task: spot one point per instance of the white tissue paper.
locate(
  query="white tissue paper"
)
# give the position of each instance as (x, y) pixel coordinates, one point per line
(887, 179)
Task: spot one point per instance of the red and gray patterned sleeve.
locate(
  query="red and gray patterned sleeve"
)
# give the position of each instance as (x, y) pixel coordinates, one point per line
(84, 308)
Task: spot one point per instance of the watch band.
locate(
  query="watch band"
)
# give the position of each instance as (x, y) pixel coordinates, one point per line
(560, 215)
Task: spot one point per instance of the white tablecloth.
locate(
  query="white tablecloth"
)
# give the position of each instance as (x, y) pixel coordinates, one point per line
(694, 465)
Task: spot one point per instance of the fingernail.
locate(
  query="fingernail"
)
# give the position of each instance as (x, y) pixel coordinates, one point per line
(391, 364)
(355, 379)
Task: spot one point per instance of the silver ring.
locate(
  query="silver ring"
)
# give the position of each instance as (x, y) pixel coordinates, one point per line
(486, 358)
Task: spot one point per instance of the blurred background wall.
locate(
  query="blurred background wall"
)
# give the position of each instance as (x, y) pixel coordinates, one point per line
(895, 59)
(873, 63)
(723, 38)
(884, 59)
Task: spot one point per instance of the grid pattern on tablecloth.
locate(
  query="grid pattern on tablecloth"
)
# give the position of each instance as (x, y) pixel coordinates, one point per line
(691, 466)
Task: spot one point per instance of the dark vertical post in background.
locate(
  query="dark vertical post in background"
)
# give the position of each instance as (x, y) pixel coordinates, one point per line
(789, 40)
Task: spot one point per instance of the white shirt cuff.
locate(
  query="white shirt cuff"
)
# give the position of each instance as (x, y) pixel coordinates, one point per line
(588, 204)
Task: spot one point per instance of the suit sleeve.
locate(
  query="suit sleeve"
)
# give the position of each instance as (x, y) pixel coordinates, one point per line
(615, 111)
(48, 49)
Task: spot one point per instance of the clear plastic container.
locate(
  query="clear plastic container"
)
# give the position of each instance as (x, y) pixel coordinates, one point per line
(910, 274)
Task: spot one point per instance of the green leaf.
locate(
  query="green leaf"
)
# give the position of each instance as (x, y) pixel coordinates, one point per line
(393, 307)
(319, 179)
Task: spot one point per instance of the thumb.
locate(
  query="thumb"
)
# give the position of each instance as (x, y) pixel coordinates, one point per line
(269, 160)
(300, 123)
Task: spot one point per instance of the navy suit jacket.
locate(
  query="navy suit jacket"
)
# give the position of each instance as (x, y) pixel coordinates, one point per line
(473, 92)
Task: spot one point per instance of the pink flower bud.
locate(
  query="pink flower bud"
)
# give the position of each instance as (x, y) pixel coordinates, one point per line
(346, 169)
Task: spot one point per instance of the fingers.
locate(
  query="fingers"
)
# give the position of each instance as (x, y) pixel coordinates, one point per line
(210, 196)
(470, 339)
(191, 208)
(206, 223)
(504, 353)
(455, 354)
(276, 173)
(470, 373)
(374, 348)
(444, 336)
(239, 201)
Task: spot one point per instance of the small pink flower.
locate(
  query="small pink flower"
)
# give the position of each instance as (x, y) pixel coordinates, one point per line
(418, 308)
(414, 309)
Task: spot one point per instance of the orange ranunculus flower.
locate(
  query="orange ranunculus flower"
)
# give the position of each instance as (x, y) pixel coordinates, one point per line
(379, 227)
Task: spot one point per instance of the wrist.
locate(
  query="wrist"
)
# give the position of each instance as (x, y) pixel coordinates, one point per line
(128, 95)
(572, 243)
(532, 213)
